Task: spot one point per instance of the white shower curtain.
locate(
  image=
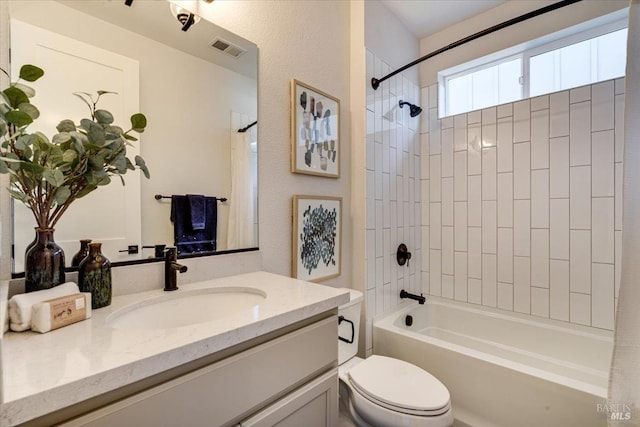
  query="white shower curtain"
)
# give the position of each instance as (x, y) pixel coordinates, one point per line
(242, 200)
(624, 380)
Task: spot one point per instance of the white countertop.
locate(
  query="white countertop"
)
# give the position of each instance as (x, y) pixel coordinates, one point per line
(46, 372)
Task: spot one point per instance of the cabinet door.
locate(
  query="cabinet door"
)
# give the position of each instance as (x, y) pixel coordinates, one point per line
(313, 405)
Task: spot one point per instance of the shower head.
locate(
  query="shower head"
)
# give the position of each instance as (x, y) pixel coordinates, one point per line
(414, 110)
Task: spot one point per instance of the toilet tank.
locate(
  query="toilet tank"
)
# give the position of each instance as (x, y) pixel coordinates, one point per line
(351, 313)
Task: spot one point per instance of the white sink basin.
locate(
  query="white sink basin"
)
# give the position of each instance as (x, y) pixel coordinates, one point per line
(184, 308)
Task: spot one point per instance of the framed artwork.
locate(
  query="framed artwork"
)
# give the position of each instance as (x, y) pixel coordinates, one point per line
(317, 237)
(315, 131)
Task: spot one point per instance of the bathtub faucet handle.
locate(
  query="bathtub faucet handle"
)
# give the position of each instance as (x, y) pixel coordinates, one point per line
(403, 255)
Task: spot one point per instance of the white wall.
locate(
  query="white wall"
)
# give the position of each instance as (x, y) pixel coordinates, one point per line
(392, 165)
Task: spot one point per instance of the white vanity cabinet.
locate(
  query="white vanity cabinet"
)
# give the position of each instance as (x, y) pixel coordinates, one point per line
(290, 380)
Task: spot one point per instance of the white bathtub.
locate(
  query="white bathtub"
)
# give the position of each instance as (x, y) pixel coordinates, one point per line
(504, 369)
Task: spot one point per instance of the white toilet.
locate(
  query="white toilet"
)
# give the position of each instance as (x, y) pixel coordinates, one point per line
(381, 391)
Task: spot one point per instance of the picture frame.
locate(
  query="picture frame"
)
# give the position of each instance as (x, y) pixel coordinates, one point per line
(316, 252)
(315, 131)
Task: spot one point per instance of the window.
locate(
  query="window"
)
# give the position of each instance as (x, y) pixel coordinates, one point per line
(550, 64)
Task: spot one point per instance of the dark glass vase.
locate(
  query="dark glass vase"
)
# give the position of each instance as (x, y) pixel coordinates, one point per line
(43, 262)
(82, 253)
(94, 275)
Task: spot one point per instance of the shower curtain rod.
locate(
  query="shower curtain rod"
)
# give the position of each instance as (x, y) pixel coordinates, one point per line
(376, 82)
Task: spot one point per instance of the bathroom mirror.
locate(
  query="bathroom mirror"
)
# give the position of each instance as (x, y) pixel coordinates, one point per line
(196, 88)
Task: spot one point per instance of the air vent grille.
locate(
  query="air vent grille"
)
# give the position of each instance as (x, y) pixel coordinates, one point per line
(228, 48)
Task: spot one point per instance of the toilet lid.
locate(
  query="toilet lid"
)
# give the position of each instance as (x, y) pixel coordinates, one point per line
(399, 384)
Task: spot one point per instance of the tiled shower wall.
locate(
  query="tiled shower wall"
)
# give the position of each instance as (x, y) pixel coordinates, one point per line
(524, 207)
(393, 206)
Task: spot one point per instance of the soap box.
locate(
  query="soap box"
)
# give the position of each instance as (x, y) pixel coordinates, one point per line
(59, 312)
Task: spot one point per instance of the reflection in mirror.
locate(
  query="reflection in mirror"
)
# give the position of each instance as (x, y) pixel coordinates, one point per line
(195, 97)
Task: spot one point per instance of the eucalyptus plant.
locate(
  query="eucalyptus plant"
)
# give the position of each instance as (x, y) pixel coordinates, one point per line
(46, 174)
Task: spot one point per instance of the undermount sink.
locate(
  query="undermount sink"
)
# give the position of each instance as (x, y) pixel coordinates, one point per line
(184, 308)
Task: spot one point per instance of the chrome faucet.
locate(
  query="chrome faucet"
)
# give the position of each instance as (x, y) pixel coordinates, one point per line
(171, 267)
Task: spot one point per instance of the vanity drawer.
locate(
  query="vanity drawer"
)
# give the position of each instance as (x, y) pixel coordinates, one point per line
(229, 390)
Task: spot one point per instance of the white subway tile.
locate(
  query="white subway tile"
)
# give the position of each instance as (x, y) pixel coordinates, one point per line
(460, 224)
(447, 201)
(435, 267)
(580, 134)
(475, 252)
(522, 121)
(489, 280)
(447, 152)
(602, 105)
(474, 291)
(505, 144)
(474, 157)
(460, 279)
(580, 94)
(474, 117)
(540, 302)
(447, 286)
(619, 127)
(620, 83)
(540, 139)
(505, 296)
(602, 230)
(505, 255)
(521, 171)
(385, 154)
(489, 174)
(618, 197)
(505, 199)
(580, 197)
(387, 296)
(559, 167)
(602, 296)
(559, 229)
(424, 102)
(489, 227)
(522, 227)
(504, 110)
(425, 244)
(489, 127)
(602, 164)
(377, 174)
(540, 198)
(379, 272)
(580, 308)
(559, 290)
(447, 250)
(433, 96)
(378, 156)
(460, 175)
(618, 264)
(435, 179)
(540, 257)
(539, 103)
(475, 200)
(522, 284)
(460, 132)
(446, 122)
(559, 114)
(435, 224)
(580, 261)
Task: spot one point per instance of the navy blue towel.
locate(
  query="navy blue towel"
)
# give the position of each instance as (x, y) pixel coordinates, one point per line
(198, 211)
(186, 239)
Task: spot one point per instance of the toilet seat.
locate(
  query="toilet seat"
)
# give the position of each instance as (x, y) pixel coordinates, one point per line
(399, 386)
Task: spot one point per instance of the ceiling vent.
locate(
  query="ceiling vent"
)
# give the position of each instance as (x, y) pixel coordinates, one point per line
(227, 47)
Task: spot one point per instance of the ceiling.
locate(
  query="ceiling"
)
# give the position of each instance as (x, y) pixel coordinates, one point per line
(426, 17)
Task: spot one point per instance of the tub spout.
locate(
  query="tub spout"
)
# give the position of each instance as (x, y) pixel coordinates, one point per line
(420, 298)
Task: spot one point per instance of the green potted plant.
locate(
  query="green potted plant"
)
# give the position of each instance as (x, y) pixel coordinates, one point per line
(47, 175)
